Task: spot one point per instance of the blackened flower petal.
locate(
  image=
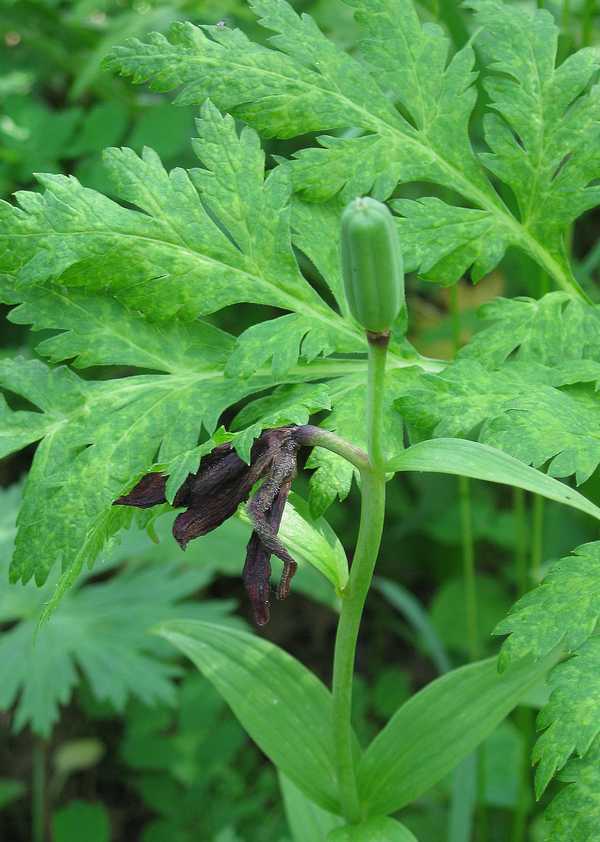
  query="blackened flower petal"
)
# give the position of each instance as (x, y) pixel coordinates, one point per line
(257, 579)
(150, 491)
(207, 512)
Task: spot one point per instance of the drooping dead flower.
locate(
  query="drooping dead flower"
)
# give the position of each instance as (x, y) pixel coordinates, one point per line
(213, 494)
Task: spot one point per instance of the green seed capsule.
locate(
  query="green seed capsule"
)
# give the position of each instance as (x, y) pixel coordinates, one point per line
(372, 264)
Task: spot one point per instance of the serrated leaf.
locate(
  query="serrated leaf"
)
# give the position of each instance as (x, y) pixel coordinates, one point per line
(550, 331)
(305, 84)
(272, 695)
(574, 814)
(544, 617)
(571, 718)
(198, 241)
(563, 612)
(442, 242)
(100, 630)
(282, 341)
(543, 130)
(120, 336)
(528, 410)
(100, 438)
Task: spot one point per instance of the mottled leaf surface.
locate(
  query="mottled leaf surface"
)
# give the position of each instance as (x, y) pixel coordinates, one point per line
(100, 630)
(561, 614)
(408, 103)
(527, 385)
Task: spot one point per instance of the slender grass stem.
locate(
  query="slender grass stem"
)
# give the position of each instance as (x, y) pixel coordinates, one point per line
(537, 538)
(355, 593)
(587, 25)
(565, 18)
(38, 792)
(470, 585)
(521, 566)
(468, 560)
(524, 719)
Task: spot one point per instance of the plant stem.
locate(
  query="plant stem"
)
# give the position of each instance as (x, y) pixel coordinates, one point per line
(375, 396)
(466, 521)
(587, 26)
(38, 791)
(355, 593)
(521, 571)
(309, 436)
(523, 716)
(468, 555)
(566, 17)
(537, 538)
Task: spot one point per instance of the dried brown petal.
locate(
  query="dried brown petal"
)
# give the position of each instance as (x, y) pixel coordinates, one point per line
(262, 544)
(150, 491)
(257, 576)
(208, 511)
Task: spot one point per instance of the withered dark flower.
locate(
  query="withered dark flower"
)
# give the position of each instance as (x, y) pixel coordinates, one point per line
(213, 494)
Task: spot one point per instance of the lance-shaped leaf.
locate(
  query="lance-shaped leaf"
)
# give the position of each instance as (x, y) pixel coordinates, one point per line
(284, 708)
(373, 830)
(432, 732)
(306, 819)
(479, 461)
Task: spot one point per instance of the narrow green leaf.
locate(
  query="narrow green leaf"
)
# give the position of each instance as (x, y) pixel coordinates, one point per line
(379, 829)
(479, 461)
(307, 821)
(432, 732)
(284, 708)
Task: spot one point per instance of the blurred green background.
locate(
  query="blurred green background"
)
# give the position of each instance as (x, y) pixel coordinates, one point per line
(104, 733)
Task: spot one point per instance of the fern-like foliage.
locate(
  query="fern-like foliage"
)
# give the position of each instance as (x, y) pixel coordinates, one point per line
(526, 384)
(410, 106)
(100, 630)
(562, 614)
(124, 281)
(124, 286)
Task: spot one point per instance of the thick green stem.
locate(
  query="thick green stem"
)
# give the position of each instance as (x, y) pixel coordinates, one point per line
(355, 593)
(375, 397)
